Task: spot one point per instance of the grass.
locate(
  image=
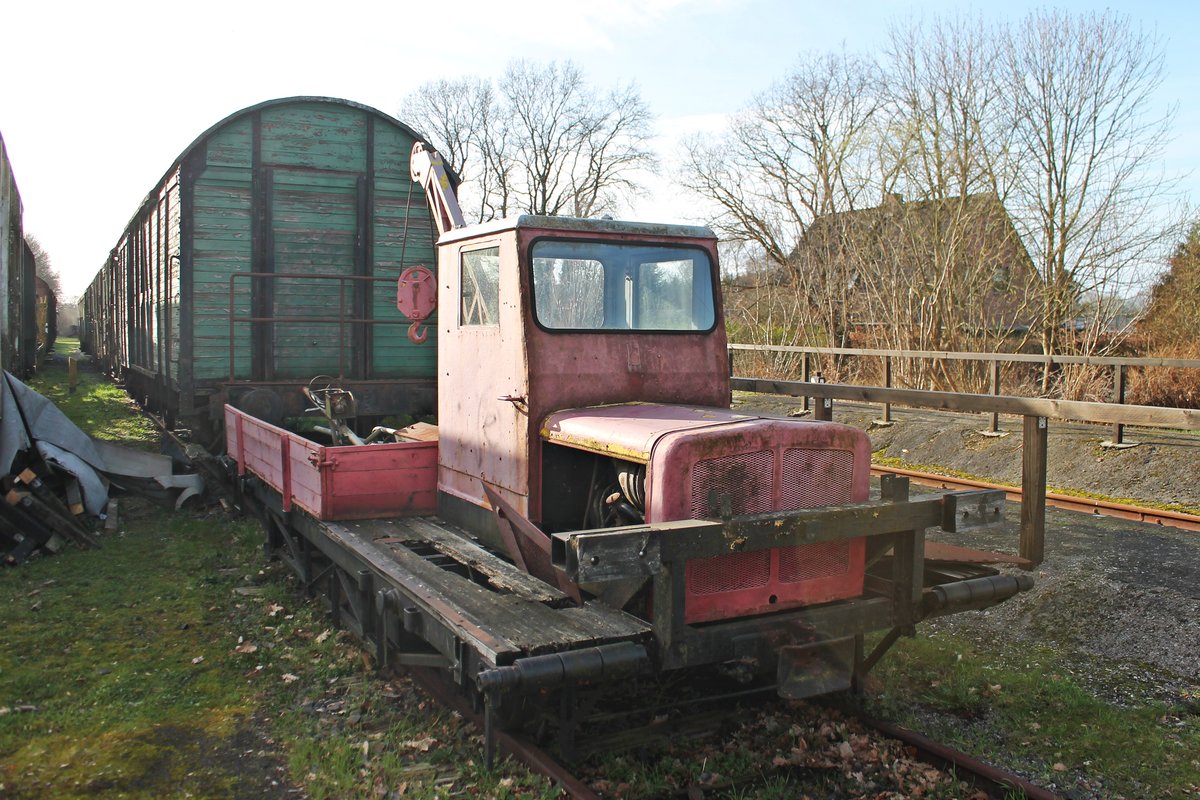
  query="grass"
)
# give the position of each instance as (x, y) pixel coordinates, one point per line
(121, 664)
(1024, 706)
(98, 406)
(175, 661)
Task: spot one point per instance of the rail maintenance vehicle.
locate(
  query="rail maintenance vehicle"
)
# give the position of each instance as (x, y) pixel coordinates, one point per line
(588, 507)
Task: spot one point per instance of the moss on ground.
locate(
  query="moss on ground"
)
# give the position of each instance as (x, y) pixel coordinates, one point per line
(175, 661)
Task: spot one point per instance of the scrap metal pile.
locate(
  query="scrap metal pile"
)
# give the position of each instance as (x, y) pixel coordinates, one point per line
(57, 481)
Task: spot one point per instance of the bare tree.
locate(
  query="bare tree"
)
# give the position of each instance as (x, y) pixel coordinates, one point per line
(797, 153)
(1088, 143)
(984, 180)
(542, 141)
(573, 151)
(800, 152)
(44, 268)
(461, 119)
(945, 269)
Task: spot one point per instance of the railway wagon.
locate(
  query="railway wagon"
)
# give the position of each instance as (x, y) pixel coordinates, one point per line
(45, 316)
(267, 255)
(18, 280)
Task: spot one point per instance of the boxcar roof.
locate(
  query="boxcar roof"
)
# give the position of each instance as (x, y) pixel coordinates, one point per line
(152, 195)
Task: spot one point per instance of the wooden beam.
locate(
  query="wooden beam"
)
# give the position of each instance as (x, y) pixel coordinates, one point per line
(1150, 416)
(1033, 490)
(1118, 436)
(887, 383)
(1004, 358)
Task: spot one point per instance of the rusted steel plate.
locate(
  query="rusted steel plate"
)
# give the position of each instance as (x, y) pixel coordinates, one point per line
(941, 551)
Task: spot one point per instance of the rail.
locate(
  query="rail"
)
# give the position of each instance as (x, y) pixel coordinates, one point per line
(1119, 364)
(1036, 413)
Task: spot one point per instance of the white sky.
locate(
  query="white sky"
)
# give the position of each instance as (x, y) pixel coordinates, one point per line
(100, 98)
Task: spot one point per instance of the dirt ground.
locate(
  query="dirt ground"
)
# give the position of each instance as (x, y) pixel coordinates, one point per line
(1124, 596)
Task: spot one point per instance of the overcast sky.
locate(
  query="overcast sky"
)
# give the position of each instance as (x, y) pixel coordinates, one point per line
(100, 98)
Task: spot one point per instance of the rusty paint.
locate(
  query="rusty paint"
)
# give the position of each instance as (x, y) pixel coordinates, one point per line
(942, 551)
(629, 430)
(378, 480)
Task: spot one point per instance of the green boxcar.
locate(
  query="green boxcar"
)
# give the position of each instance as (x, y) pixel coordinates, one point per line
(265, 258)
(19, 329)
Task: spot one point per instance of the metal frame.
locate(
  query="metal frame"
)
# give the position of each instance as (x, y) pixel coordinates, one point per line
(361, 600)
(659, 552)
(396, 603)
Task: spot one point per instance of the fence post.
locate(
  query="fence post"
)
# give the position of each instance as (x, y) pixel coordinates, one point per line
(1033, 490)
(995, 393)
(804, 376)
(730, 351)
(887, 383)
(1118, 434)
(823, 409)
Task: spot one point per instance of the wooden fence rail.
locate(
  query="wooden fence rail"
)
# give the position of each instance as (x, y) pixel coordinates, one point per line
(1118, 364)
(1036, 412)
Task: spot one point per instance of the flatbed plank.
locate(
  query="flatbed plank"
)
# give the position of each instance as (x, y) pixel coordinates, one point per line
(458, 545)
(531, 626)
(500, 626)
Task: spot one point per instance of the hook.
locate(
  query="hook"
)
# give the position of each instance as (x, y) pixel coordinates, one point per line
(418, 332)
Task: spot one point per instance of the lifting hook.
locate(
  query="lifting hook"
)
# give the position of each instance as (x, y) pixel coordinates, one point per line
(416, 297)
(418, 332)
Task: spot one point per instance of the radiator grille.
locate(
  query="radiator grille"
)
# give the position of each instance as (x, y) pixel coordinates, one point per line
(729, 573)
(748, 479)
(811, 479)
(822, 560)
(739, 584)
(815, 478)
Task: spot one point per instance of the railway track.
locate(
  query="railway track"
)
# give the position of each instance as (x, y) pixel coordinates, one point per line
(981, 777)
(1085, 505)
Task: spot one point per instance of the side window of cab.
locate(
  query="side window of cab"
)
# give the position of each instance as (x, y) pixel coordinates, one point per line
(479, 288)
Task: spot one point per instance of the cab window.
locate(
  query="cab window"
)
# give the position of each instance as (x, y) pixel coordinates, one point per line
(589, 286)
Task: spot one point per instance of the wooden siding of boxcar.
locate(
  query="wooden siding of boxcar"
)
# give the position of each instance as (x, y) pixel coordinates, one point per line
(11, 257)
(315, 187)
(27, 349)
(46, 316)
(305, 188)
(18, 280)
(131, 307)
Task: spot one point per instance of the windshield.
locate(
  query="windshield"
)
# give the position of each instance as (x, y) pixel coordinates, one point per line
(604, 286)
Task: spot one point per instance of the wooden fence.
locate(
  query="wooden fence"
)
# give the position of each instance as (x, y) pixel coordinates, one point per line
(1119, 366)
(1036, 412)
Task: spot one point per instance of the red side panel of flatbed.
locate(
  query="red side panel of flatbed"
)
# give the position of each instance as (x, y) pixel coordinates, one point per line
(332, 483)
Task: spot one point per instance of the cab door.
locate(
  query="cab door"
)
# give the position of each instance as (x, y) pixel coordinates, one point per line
(483, 420)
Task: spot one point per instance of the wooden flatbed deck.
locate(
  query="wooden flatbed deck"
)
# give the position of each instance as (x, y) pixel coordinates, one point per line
(499, 611)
